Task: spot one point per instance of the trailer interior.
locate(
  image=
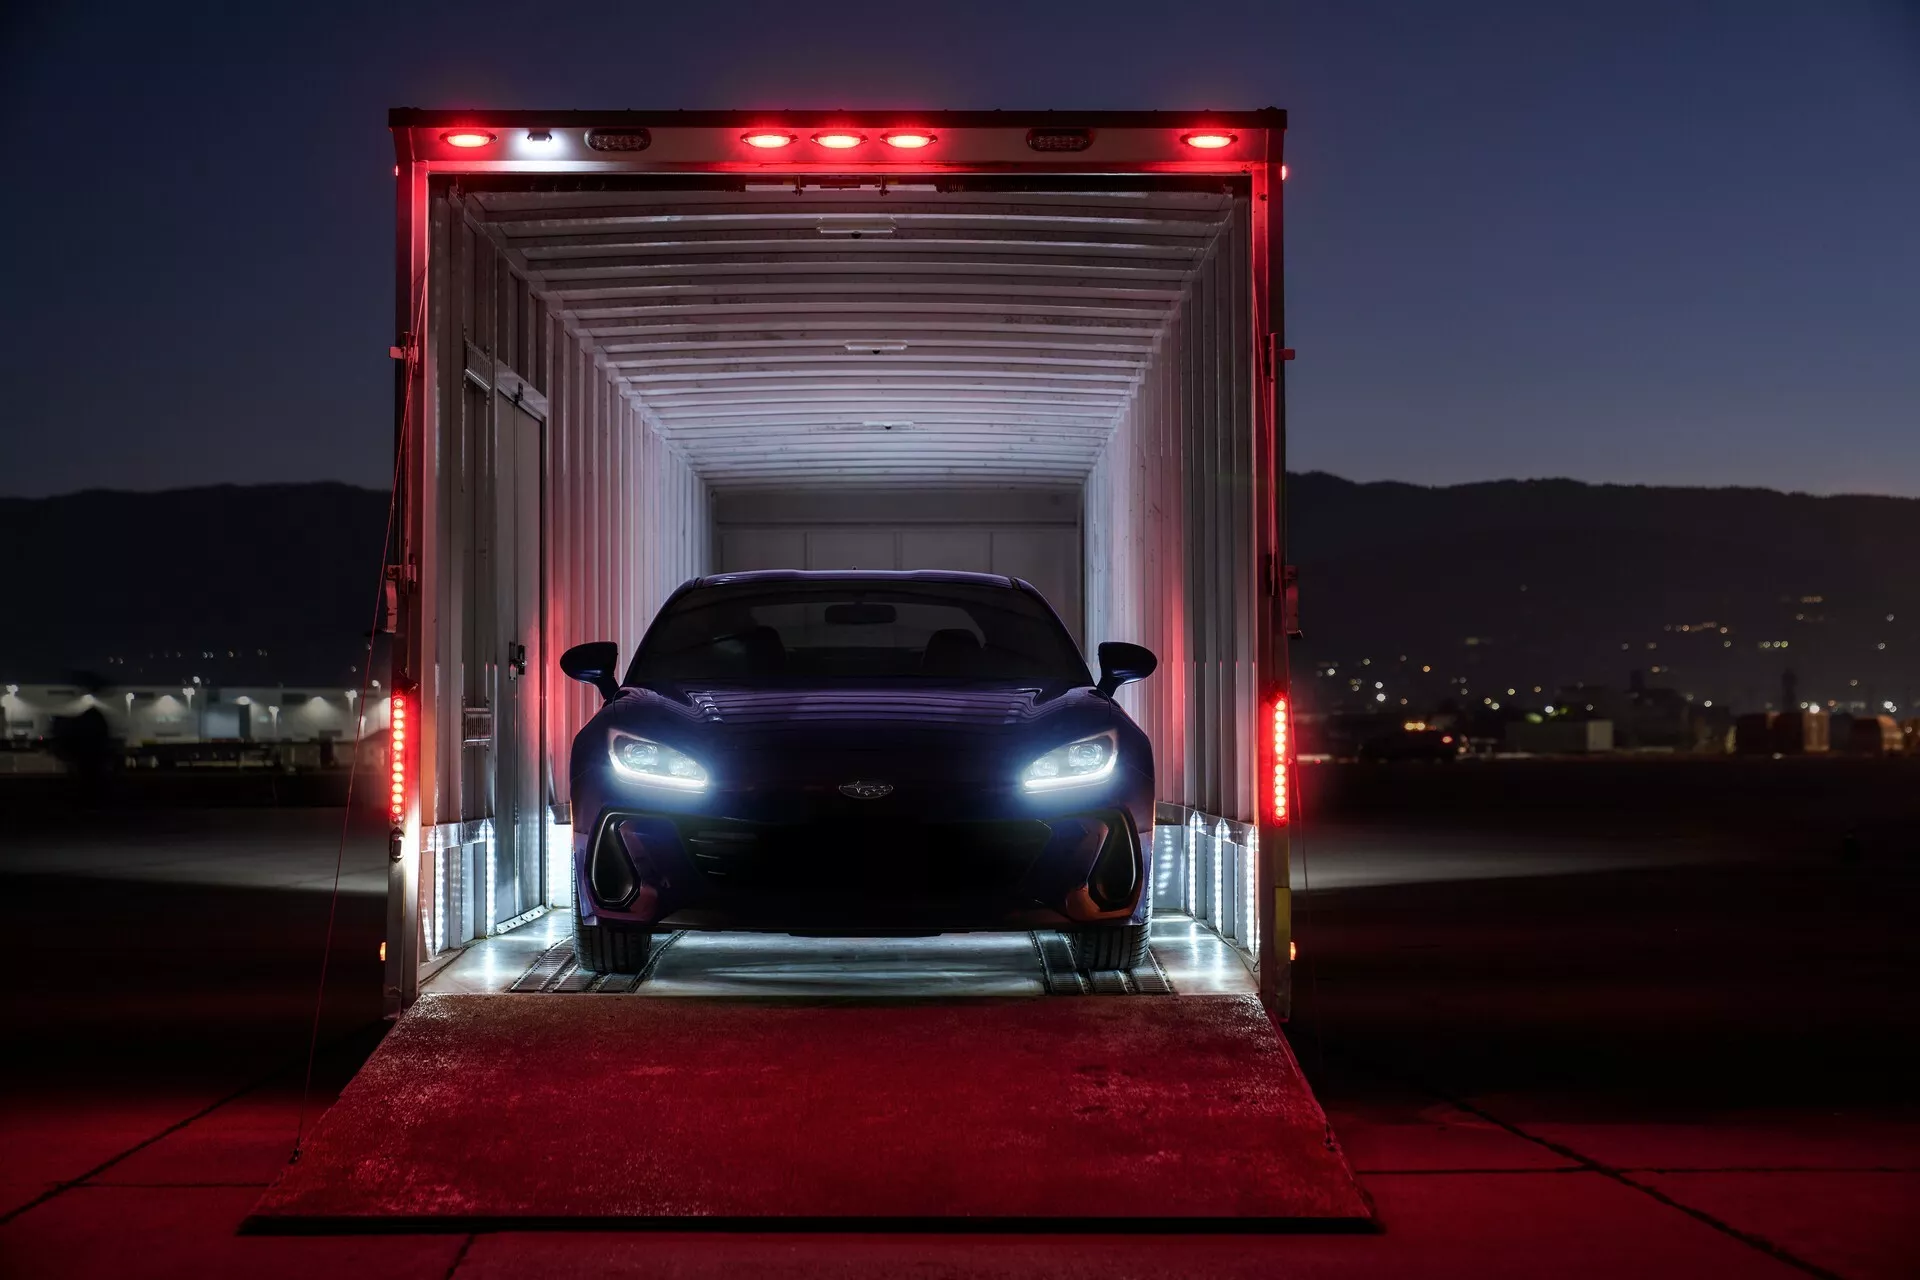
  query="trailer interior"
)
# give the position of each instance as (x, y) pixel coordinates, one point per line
(635, 348)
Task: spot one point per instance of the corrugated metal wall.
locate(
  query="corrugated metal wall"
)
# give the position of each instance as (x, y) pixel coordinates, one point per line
(609, 472)
(622, 520)
(1169, 537)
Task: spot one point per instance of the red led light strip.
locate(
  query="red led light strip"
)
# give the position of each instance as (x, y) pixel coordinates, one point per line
(1281, 804)
(397, 732)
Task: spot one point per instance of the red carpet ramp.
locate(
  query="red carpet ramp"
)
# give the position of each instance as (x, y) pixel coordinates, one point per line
(598, 1111)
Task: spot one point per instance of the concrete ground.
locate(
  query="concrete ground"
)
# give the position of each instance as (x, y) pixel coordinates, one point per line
(1541, 1055)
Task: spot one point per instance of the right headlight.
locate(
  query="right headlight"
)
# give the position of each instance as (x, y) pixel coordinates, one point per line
(1084, 761)
(640, 759)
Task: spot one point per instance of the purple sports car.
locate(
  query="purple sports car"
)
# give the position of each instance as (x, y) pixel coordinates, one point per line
(860, 754)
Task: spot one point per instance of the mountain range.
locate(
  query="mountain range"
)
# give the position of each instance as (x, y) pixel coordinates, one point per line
(1717, 592)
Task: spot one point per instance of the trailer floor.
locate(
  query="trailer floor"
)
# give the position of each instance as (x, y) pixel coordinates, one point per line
(1189, 957)
(488, 1110)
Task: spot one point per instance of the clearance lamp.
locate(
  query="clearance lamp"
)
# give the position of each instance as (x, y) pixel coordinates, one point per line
(839, 141)
(467, 138)
(767, 139)
(1208, 139)
(398, 732)
(909, 139)
(1281, 799)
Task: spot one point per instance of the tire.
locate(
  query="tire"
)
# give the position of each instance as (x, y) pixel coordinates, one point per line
(609, 947)
(1110, 946)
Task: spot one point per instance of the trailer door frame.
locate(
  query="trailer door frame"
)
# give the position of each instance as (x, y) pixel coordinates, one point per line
(707, 146)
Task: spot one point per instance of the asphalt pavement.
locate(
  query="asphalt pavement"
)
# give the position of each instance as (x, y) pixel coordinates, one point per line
(1563, 1023)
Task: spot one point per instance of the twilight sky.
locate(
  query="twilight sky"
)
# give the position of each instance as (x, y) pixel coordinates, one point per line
(1665, 241)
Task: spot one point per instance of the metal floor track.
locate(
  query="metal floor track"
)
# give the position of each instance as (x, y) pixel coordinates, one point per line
(556, 971)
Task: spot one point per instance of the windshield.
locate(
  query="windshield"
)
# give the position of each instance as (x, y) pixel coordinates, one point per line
(827, 630)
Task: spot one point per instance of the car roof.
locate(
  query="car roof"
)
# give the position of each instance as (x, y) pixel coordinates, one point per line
(856, 575)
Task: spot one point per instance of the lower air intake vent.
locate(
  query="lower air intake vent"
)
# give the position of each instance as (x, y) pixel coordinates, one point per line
(612, 875)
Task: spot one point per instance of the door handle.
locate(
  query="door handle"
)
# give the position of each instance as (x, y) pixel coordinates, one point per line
(516, 661)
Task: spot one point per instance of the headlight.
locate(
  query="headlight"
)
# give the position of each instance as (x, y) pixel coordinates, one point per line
(644, 760)
(1077, 763)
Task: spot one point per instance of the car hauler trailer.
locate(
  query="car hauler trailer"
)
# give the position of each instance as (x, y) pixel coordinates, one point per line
(637, 347)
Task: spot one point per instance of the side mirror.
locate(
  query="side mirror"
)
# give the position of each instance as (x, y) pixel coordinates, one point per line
(1122, 663)
(594, 664)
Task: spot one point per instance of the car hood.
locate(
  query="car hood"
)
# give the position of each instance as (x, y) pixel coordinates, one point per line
(806, 733)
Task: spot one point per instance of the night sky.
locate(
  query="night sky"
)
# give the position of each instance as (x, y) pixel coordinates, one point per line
(1640, 240)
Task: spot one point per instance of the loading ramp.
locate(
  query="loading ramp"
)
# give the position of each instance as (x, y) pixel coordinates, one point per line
(1102, 1113)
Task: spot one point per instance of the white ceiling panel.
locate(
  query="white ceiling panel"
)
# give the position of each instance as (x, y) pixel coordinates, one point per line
(900, 337)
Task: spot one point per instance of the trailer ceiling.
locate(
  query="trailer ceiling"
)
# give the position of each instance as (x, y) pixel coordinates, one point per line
(908, 332)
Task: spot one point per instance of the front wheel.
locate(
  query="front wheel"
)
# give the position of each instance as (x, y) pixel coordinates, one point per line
(1109, 946)
(608, 947)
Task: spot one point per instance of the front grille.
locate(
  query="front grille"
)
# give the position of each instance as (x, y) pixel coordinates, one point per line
(958, 859)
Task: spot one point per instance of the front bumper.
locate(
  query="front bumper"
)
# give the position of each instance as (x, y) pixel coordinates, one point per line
(851, 874)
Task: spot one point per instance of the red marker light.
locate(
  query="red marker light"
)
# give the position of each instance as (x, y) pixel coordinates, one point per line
(467, 138)
(909, 139)
(839, 141)
(397, 731)
(767, 139)
(1208, 140)
(1281, 806)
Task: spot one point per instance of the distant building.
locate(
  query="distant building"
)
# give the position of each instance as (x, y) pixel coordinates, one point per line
(1871, 736)
(1559, 737)
(163, 714)
(1781, 733)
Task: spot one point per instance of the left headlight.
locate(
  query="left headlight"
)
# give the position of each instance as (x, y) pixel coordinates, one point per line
(1076, 764)
(644, 760)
